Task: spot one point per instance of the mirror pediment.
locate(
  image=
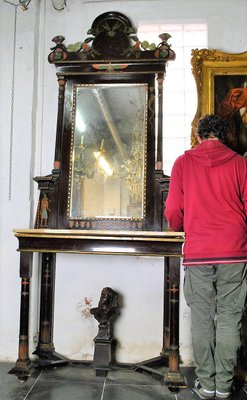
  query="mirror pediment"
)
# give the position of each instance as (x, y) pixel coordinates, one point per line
(111, 37)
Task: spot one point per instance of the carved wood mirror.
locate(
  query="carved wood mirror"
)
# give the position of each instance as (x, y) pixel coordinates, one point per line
(108, 156)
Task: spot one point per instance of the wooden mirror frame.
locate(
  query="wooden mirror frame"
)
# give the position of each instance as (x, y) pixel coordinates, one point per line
(111, 54)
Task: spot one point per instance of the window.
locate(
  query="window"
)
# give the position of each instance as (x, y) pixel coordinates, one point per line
(180, 96)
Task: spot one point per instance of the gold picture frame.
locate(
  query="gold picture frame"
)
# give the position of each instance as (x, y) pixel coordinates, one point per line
(221, 80)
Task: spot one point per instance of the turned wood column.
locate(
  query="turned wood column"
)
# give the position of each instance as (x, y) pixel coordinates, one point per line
(61, 89)
(159, 151)
(45, 346)
(173, 378)
(23, 363)
(174, 314)
(166, 309)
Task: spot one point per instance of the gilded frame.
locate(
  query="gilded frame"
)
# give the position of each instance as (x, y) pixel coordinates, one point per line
(139, 152)
(219, 77)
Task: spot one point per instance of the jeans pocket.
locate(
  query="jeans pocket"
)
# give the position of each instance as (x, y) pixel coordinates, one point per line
(240, 300)
(188, 292)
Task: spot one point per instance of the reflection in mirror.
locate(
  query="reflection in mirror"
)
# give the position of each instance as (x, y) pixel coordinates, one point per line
(108, 151)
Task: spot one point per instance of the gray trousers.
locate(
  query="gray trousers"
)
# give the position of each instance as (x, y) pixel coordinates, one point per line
(216, 295)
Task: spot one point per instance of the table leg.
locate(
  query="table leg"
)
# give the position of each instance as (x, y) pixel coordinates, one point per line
(166, 310)
(45, 348)
(22, 367)
(174, 378)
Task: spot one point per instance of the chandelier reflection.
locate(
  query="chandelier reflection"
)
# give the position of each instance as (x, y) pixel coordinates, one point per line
(103, 164)
(88, 161)
(131, 170)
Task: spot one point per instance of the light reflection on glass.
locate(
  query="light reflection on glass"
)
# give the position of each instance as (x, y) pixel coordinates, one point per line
(108, 151)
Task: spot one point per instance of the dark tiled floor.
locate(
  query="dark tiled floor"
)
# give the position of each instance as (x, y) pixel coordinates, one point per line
(78, 383)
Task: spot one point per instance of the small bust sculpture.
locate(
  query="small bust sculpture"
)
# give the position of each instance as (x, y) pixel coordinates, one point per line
(107, 307)
(104, 313)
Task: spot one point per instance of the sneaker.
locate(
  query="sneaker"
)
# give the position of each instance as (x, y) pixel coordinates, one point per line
(223, 395)
(202, 393)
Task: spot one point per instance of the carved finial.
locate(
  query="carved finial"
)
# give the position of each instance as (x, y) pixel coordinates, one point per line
(164, 49)
(59, 52)
(164, 37)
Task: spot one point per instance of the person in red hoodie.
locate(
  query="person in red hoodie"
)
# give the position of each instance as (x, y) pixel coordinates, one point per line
(207, 200)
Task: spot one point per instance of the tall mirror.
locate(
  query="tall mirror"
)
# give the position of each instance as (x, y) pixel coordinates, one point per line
(108, 151)
(108, 168)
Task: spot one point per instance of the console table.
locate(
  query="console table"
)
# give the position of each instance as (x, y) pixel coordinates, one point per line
(106, 191)
(48, 242)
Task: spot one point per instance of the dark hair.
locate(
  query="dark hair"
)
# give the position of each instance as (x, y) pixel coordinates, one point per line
(210, 126)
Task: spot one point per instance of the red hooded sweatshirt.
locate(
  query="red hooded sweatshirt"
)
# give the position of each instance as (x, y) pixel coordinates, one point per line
(207, 200)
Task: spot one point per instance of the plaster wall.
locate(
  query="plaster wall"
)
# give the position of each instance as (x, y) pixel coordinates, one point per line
(28, 111)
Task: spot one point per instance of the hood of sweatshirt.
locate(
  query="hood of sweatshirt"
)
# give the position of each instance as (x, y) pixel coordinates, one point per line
(211, 153)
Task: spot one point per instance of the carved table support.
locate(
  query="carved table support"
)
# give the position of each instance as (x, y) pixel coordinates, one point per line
(48, 242)
(166, 312)
(45, 346)
(174, 379)
(22, 367)
(45, 349)
(170, 351)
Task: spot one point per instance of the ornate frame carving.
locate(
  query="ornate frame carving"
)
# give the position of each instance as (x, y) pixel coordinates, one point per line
(111, 54)
(220, 77)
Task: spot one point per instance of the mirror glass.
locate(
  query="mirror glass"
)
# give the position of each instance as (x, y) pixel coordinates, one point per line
(108, 151)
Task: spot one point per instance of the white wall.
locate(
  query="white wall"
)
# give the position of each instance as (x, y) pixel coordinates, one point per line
(33, 122)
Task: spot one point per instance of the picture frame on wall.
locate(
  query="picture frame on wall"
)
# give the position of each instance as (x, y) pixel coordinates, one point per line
(221, 80)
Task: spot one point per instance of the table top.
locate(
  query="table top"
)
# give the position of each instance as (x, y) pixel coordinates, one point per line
(149, 243)
(98, 234)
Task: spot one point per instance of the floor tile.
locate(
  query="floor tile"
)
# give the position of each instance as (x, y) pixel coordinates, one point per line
(76, 382)
(130, 377)
(136, 392)
(48, 390)
(71, 374)
(11, 387)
